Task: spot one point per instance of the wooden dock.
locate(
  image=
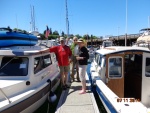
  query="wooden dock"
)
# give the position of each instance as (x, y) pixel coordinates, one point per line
(73, 102)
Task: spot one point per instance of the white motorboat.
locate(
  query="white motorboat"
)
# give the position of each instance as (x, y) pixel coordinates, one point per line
(122, 78)
(144, 39)
(28, 74)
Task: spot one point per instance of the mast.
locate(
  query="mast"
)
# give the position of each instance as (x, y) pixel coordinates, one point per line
(67, 21)
(126, 26)
(32, 19)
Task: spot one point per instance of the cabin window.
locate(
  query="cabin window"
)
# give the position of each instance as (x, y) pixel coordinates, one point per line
(115, 67)
(38, 64)
(14, 66)
(100, 60)
(96, 58)
(147, 69)
(41, 63)
(47, 60)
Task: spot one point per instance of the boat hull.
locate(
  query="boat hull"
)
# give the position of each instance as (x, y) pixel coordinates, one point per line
(27, 103)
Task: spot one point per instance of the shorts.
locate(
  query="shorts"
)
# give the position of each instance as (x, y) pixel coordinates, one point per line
(64, 69)
(82, 72)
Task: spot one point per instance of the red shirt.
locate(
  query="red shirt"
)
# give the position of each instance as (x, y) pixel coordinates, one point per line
(62, 53)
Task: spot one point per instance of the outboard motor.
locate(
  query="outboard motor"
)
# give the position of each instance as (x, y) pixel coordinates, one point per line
(52, 97)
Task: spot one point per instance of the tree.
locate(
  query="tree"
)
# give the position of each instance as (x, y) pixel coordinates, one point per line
(55, 33)
(62, 33)
(87, 37)
(78, 36)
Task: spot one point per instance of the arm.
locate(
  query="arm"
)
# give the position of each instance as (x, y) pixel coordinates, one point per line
(53, 49)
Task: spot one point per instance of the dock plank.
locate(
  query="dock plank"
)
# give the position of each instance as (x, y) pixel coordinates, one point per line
(73, 102)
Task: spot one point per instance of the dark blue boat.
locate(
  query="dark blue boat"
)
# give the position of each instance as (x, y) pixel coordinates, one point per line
(8, 37)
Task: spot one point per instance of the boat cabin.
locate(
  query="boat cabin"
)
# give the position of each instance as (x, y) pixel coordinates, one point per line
(126, 71)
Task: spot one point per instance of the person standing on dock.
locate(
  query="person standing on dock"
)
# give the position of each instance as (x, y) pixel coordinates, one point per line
(75, 49)
(63, 55)
(83, 61)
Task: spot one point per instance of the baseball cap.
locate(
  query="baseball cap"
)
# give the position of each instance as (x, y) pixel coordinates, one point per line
(62, 38)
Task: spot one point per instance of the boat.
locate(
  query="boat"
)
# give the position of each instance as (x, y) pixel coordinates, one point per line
(144, 39)
(8, 37)
(29, 74)
(121, 76)
(106, 43)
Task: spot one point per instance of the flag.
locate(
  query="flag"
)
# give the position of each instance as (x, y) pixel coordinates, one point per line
(47, 32)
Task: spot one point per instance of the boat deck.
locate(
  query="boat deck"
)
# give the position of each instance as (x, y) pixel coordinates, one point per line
(72, 102)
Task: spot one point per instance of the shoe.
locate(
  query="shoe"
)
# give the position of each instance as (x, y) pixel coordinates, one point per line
(73, 80)
(64, 87)
(78, 80)
(82, 92)
(67, 86)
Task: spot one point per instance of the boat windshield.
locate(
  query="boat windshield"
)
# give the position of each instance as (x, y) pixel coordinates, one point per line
(14, 66)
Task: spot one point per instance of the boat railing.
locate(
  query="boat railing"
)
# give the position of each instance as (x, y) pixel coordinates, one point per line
(5, 95)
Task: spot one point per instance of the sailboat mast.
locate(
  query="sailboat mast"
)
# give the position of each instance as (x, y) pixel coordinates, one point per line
(67, 21)
(126, 25)
(32, 19)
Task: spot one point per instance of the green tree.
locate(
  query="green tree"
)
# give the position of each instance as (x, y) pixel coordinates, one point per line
(79, 36)
(55, 33)
(87, 37)
(62, 33)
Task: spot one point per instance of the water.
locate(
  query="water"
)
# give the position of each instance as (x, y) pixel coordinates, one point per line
(50, 107)
(93, 88)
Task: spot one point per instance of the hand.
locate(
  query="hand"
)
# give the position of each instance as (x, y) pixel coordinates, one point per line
(79, 58)
(70, 60)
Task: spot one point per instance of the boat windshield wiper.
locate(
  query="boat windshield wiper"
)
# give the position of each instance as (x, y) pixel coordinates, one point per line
(7, 63)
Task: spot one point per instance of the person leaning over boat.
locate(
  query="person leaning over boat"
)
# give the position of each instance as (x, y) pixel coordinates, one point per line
(83, 61)
(74, 49)
(63, 55)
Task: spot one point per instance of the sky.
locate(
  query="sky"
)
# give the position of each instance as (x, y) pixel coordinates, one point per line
(92, 17)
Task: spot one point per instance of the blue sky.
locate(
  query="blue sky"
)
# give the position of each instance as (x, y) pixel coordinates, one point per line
(96, 17)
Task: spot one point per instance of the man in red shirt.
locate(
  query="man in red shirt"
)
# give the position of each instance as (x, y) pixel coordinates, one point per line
(63, 54)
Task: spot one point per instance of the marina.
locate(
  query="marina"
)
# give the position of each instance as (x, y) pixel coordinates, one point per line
(39, 65)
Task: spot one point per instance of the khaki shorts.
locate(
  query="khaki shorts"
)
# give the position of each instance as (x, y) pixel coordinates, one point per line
(64, 69)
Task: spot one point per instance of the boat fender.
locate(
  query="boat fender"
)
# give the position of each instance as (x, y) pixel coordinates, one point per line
(52, 97)
(28, 83)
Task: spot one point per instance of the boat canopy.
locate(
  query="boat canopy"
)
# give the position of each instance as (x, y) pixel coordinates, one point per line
(145, 29)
